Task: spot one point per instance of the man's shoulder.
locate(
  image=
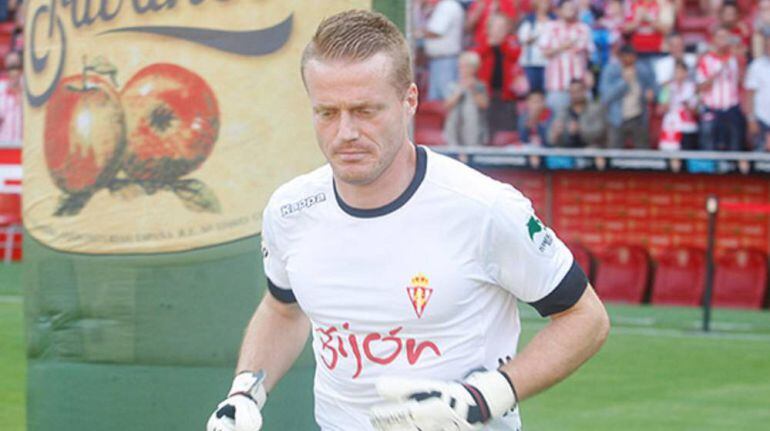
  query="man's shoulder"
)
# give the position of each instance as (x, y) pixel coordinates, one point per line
(462, 181)
(301, 191)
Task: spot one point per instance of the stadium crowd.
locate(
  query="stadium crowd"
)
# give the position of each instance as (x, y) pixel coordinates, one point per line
(667, 74)
(11, 88)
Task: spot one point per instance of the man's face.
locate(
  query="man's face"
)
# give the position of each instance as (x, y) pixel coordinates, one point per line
(627, 59)
(721, 40)
(676, 46)
(13, 65)
(729, 15)
(360, 118)
(568, 11)
(577, 92)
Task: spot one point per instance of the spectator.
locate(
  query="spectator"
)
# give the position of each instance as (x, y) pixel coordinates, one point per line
(11, 92)
(466, 105)
(761, 28)
(532, 59)
(758, 101)
(730, 18)
(613, 18)
(501, 72)
(535, 121)
(17, 41)
(585, 12)
(443, 43)
(718, 79)
(647, 23)
(679, 101)
(566, 43)
(476, 22)
(606, 33)
(626, 87)
(582, 123)
(664, 67)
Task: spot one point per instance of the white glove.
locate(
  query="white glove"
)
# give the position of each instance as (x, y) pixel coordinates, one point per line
(431, 405)
(241, 410)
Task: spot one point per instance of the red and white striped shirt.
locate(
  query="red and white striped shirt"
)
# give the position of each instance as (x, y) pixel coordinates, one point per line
(723, 93)
(11, 111)
(646, 38)
(571, 63)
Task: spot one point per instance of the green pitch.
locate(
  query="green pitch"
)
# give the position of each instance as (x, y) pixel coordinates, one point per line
(656, 372)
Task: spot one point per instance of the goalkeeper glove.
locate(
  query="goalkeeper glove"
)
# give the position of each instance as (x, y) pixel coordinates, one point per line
(241, 410)
(430, 405)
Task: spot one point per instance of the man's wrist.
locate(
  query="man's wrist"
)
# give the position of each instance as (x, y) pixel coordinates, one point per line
(250, 384)
(497, 389)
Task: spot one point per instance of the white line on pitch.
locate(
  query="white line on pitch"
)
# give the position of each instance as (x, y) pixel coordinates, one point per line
(10, 299)
(673, 333)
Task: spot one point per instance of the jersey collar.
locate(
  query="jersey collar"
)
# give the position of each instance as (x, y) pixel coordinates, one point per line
(419, 175)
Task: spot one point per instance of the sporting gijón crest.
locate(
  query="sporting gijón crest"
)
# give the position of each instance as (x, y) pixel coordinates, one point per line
(419, 293)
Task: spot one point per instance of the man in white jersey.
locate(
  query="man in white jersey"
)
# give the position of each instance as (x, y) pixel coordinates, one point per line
(405, 267)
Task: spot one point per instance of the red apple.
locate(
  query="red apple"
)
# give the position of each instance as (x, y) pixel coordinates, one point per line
(84, 134)
(172, 119)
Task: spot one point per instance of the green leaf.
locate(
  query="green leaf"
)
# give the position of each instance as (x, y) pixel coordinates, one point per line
(71, 205)
(196, 196)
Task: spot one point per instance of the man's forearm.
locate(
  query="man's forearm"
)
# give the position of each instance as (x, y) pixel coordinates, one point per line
(569, 340)
(274, 338)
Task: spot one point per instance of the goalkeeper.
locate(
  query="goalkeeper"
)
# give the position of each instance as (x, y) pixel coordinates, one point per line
(406, 267)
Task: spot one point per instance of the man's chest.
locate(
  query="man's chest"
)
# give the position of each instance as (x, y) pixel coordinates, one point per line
(418, 274)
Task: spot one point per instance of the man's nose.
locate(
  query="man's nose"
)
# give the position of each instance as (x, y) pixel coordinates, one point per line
(348, 130)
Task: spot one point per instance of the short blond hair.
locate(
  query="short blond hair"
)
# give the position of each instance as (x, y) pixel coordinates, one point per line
(357, 35)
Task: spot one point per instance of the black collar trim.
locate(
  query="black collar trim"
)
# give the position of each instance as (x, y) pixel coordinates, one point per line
(419, 175)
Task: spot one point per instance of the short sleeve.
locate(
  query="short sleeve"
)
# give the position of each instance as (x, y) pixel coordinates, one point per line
(440, 19)
(275, 266)
(526, 258)
(752, 80)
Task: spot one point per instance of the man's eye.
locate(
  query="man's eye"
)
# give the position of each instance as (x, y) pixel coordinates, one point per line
(366, 112)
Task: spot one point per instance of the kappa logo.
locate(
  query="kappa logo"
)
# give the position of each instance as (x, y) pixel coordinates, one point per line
(419, 293)
(289, 209)
(540, 235)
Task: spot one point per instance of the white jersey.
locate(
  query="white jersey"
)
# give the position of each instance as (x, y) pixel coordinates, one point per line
(426, 286)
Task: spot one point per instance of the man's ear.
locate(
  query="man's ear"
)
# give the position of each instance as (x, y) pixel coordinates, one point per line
(412, 98)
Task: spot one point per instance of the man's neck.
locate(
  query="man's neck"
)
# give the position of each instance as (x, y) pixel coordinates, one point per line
(387, 187)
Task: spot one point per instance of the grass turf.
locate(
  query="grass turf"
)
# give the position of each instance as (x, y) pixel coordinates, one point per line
(656, 372)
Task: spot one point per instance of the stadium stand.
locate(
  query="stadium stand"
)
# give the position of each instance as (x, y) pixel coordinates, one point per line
(429, 123)
(623, 274)
(740, 279)
(680, 277)
(583, 258)
(10, 227)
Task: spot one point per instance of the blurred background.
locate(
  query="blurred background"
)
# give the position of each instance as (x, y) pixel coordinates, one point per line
(619, 119)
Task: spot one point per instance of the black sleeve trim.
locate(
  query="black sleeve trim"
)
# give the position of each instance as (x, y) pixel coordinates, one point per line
(283, 295)
(565, 295)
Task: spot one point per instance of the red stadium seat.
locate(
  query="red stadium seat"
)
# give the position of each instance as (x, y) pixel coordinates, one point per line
(623, 274)
(740, 279)
(430, 115)
(583, 258)
(429, 137)
(429, 123)
(504, 138)
(680, 277)
(10, 227)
